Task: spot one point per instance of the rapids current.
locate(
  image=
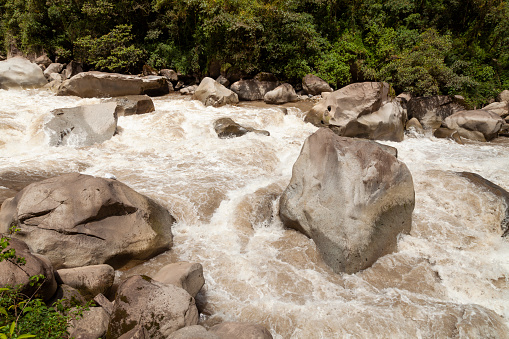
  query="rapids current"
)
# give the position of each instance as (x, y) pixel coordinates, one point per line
(449, 277)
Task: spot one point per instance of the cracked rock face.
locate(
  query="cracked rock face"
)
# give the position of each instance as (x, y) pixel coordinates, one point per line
(78, 220)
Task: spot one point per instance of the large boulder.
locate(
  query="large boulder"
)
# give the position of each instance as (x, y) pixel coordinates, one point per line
(133, 104)
(72, 69)
(79, 220)
(92, 325)
(282, 94)
(503, 96)
(432, 111)
(362, 110)
(17, 274)
(477, 125)
(53, 68)
(212, 93)
(186, 275)
(103, 85)
(89, 280)
(499, 108)
(235, 330)
(351, 197)
(158, 308)
(18, 72)
(250, 90)
(314, 85)
(82, 126)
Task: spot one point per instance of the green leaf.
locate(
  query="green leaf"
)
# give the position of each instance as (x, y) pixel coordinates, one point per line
(3, 311)
(13, 325)
(3, 336)
(27, 309)
(28, 335)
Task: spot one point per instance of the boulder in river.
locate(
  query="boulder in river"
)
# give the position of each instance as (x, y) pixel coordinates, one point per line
(133, 104)
(235, 330)
(362, 110)
(79, 220)
(432, 111)
(212, 93)
(477, 125)
(82, 126)
(499, 108)
(250, 90)
(186, 275)
(282, 94)
(157, 308)
(19, 72)
(314, 85)
(104, 85)
(351, 197)
(227, 128)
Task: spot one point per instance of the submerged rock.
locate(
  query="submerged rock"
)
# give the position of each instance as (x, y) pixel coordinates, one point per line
(79, 220)
(227, 128)
(351, 197)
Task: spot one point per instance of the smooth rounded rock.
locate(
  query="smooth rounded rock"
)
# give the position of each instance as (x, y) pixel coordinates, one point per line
(89, 280)
(186, 275)
(236, 330)
(19, 72)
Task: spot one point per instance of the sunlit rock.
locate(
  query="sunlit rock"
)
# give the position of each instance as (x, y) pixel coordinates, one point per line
(282, 94)
(79, 220)
(157, 308)
(186, 275)
(212, 93)
(89, 280)
(477, 125)
(19, 72)
(133, 104)
(250, 90)
(432, 111)
(314, 85)
(351, 197)
(235, 330)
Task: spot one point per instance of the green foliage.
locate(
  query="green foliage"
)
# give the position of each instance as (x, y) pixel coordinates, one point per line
(110, 52)
(23, 316)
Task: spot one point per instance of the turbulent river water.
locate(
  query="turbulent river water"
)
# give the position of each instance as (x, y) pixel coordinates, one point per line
(449, 277)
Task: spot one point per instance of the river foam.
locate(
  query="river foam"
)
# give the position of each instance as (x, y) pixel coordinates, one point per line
(449, 277)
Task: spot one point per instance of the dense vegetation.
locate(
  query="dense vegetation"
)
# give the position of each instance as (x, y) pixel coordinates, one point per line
(422, 46)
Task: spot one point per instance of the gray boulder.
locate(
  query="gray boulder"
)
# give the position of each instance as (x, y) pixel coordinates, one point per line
(133, 104)
(282, 94)
(169, 74)
(447, 133)
(16, 274)
(212, 93)
(73, 68)
(157, 308)
(92, 325)
(227, 128)
(79, 220)
(314, 85)
(193, 332)
(432, 111)
(362, 110)
(43, 60)
(82, 126)
(477, 125)
(415, 125)
(351, 197)
(236, 330)
(250, 90)
(186, 275)
(53, 68)
(499, 108)
(503, 96)
(88, 280)
(18, 72)
(223, 81)
(104, 85)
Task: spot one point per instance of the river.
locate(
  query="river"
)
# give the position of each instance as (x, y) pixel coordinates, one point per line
(449, 277)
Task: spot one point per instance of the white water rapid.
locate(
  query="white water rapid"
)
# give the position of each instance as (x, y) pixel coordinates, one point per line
(449, 277)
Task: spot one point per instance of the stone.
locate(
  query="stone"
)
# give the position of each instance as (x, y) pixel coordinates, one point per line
(415, 125)
(223, 81)
(188, 90)
(148, 70)
(138, 332)
(14, 274)
(43, 60)
(105, 85)
(133, 104)
(79, 220)
(250, 90)
(193, 332)
(477, 125)
(503, 96)
(236, 330)
(158, 308)
(499, 108)
(265, 76)
(496, 190)
(212, 93)
(89, 280)
(186, 275)
(18, 72)
(432, 111)
(351, 197)
(447, 133)
(282, 94)
(68, 295)
(53, 68)
(102, 301)
(169, 74)
(227, 128)
(362, 110)
(73, 68)
(311, 84)
(81, 126)
(92, 325)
